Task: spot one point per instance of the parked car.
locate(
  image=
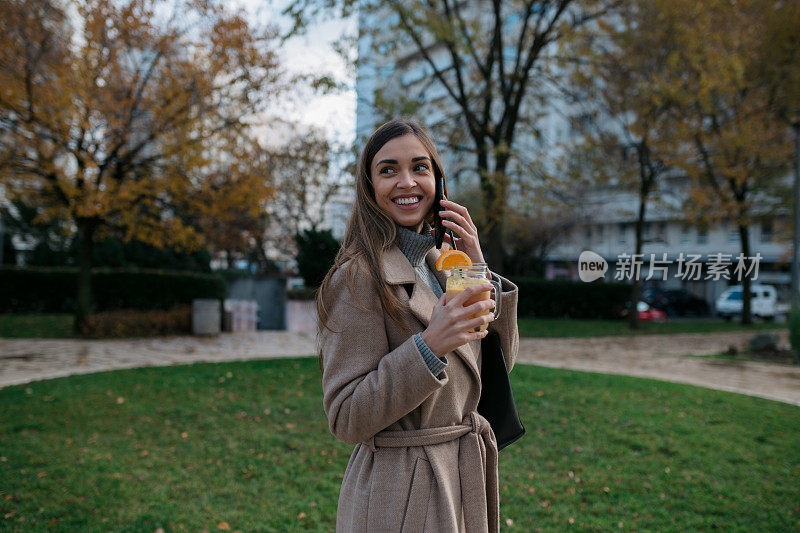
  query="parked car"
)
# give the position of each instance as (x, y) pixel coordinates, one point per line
(647, 313)
(763, 302)
(676, 302)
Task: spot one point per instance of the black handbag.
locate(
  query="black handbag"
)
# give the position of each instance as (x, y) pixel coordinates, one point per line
(497, 400)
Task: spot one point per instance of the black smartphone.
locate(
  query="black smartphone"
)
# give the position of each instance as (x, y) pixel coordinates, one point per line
(437, 220)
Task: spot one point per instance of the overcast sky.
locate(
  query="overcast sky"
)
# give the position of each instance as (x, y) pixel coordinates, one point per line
(312, 53)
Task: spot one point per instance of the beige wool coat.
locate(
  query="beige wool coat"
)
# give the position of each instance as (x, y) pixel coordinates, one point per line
(424, 460)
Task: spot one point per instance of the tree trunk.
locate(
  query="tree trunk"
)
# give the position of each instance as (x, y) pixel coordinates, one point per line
(494, 252)
(795, 299)
(744, 236)
(494, 208)
(795, 287)
(84, 300)
(633, 314)
(646, 177)
(263, 261)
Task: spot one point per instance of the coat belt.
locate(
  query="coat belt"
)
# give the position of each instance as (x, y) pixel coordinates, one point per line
(479, 486)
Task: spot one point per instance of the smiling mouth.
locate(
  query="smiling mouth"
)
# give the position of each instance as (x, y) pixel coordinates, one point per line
(407, 201)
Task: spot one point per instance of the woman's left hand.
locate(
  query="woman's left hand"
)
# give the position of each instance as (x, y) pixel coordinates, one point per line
(464, 228)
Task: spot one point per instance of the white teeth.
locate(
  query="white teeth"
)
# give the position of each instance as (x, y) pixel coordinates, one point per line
(407, 201)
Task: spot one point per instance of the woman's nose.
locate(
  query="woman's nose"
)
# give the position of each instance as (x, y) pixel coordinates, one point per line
(405, 180)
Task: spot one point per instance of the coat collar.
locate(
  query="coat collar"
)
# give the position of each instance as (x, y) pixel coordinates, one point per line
(396, 268)
(398, 271)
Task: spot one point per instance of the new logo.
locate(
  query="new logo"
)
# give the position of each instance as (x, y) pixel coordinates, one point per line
(591, 266)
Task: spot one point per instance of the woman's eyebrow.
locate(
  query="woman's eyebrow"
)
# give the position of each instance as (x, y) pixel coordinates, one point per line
(394, 161)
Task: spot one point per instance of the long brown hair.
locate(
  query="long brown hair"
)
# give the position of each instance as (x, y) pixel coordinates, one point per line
(370, 231)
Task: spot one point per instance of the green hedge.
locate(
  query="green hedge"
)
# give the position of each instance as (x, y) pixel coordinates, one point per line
(53, 290)
(572, 299)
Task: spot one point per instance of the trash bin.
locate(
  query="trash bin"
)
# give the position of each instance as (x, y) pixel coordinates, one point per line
(205, 317)
(239, 315)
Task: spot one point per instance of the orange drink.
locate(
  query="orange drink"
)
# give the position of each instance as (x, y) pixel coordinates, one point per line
(461, 278)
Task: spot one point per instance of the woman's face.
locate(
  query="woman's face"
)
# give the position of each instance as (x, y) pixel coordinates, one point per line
(404, 182)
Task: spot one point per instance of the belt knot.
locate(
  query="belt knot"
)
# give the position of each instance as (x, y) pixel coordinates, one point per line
(479, 424)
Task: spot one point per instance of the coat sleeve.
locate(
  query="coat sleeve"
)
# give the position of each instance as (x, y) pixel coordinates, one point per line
(366, 386)
(506, 325)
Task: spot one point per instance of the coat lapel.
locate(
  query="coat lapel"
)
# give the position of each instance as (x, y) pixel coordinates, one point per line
(398, 271)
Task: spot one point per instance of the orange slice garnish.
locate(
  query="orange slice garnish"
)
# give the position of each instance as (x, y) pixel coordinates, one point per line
(453, 259)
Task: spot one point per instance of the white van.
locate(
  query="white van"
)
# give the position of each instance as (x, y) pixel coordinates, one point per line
(763, 302)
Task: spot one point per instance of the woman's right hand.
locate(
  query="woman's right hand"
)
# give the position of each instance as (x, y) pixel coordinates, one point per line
(450, 323)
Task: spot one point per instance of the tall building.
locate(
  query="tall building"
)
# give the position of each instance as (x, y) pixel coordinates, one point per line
(606, 220)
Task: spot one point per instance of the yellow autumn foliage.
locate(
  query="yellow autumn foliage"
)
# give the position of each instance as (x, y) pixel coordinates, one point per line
(123, 118)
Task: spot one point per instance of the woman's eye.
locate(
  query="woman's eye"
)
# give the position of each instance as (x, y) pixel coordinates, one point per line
(385, 170)
(420, 167)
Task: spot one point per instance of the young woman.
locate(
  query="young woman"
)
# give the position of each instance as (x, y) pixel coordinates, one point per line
(401, 369)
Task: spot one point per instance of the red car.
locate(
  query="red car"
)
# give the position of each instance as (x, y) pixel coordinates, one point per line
(648, 313)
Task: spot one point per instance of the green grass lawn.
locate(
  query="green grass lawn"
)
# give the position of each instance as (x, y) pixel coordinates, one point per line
(60, 327)
(559, 327)
(246, 446)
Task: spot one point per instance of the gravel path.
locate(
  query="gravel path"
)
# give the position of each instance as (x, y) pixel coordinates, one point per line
(25, 360)
(667, 357)
(655, 356)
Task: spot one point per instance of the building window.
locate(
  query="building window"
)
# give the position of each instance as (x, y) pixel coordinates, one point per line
(766, 231)
(600, 234)
(702, 236)
(661, 233)
(646, 231)
(733, 233)
(580, 124)
(623, 233)
(686, 235)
